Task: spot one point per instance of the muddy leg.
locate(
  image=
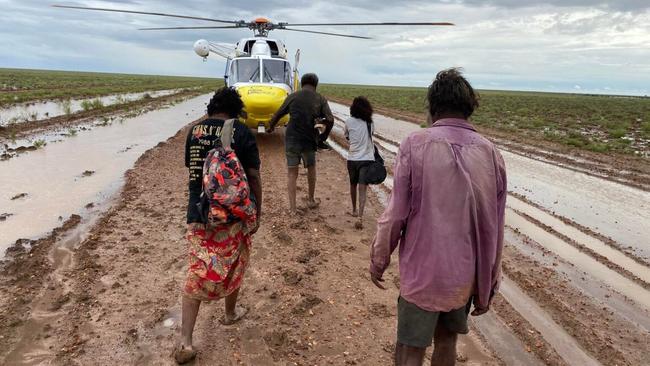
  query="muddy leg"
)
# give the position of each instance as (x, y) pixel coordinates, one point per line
(444, 351)
(190, 310)
(292, 177)
(408, 356)
(231, 303)
(311, 180)
(363, 189)
(353, 196)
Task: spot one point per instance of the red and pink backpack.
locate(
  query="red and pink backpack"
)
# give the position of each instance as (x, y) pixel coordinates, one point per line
(226, 192)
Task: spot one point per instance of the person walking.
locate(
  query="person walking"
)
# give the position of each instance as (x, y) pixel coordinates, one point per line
(446, 212)
(307, 108)
(219, 245)
(358, 131)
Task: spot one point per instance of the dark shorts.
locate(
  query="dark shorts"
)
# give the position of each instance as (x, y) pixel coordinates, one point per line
(297, 153)
(416, 326)
(357, 171)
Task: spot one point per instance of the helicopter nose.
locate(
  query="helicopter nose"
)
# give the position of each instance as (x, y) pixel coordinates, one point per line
(261, 102)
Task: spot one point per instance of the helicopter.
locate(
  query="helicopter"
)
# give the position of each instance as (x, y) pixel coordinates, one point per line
(257, 67)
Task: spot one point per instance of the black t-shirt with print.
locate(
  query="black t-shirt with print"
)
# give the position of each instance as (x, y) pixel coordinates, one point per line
(200, 140)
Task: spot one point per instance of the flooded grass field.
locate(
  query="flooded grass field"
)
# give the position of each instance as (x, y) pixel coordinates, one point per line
(597, 123)
(23, 85)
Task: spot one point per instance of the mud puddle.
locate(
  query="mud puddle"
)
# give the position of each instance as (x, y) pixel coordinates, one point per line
(47, 109)
(36, 343)
(583, 261)
(613, 255)
(565, 345)
(611, 209)
(585, 283)
(505, 343)
(77, 173)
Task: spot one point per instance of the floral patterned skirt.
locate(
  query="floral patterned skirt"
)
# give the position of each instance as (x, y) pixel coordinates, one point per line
(219, 256)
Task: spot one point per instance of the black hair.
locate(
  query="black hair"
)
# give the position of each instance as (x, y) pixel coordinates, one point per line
(361, 109)
(226, 100)
(450, 92)
(309, 79)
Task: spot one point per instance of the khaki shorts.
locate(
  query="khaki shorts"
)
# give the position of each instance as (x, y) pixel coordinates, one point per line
(295, 154)
(416, 326)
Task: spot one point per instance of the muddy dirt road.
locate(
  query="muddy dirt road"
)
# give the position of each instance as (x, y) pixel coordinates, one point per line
(112, 296)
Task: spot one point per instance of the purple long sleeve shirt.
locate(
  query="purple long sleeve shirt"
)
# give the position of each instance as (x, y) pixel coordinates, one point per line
(446, 212)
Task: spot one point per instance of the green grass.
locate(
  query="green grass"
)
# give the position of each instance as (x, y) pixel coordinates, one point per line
(590, 122)
(22, 85)
(39, 143)
(89, 105)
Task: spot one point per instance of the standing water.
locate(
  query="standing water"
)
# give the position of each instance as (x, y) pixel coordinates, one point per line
(63, 178)
(50, 108)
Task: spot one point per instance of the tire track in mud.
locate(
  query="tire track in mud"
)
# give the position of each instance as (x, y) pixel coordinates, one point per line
(544, 322)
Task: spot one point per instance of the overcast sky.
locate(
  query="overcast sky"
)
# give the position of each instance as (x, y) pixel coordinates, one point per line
(594, 46)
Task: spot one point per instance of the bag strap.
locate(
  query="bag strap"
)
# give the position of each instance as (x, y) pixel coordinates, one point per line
(370, 135)
(226, 132)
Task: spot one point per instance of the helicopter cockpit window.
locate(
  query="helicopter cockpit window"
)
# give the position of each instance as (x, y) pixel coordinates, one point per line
(276, 71)
(245, 70)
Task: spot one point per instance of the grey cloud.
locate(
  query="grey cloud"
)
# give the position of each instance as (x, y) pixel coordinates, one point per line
(504, 44)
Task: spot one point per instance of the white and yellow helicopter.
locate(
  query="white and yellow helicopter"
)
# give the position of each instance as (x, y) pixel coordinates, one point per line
(258, 67)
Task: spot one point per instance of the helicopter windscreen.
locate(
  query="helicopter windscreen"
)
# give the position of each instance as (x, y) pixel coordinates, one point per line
(245, 70)
(276, 71)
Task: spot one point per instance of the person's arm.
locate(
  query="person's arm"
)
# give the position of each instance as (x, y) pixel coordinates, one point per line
(187, 147)
(248, 154)
(326, 114)
(255, 182)
(193, 216)
(502, 183)
(483, 300)
(393, 221)
(281, 112)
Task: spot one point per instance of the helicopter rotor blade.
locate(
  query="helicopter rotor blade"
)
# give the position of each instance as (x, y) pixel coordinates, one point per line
(382, 23)
(326, 33)
(207, 27)
(146, 13)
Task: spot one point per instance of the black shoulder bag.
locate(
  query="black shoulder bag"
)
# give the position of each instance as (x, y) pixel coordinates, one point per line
(375, 171)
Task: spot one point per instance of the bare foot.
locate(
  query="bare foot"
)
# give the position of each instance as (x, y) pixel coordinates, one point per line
(313, 204)
(229, 319)
(184, 354)
(358, 225)
(353, 213)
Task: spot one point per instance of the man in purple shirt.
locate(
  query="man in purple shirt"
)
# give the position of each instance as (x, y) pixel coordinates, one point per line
(446, 212)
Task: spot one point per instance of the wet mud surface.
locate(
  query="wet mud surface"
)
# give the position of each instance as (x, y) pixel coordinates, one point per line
(310, 297)
(112, 296)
